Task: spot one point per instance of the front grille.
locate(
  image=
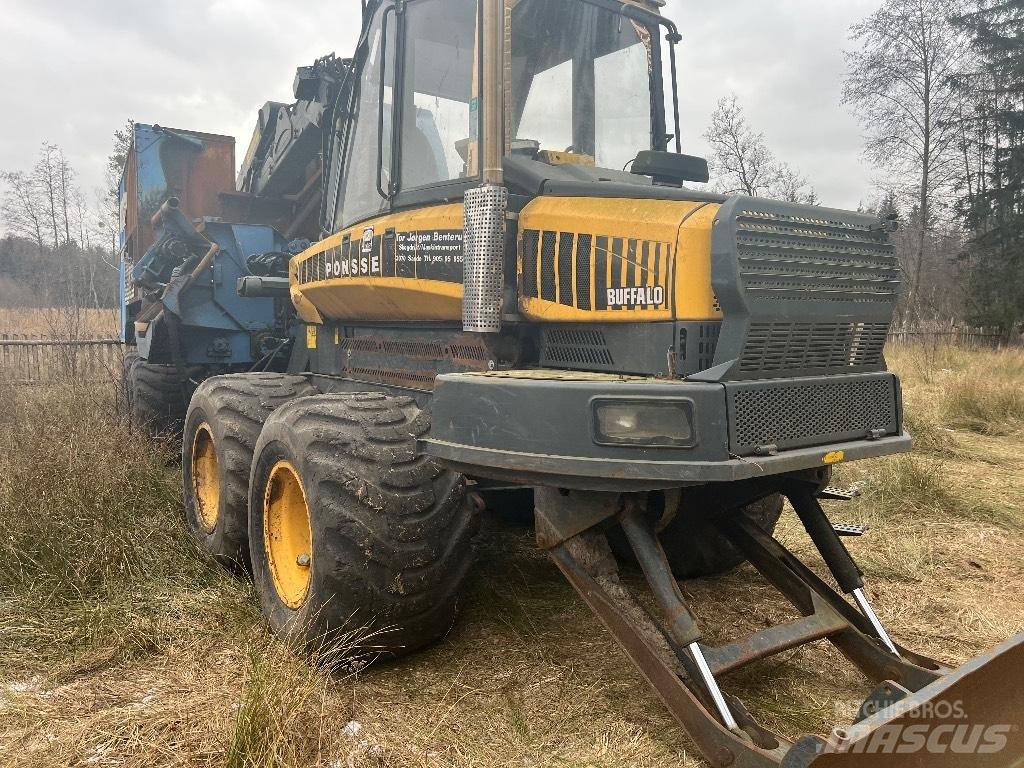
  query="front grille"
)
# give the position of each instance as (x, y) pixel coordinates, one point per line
(811, 291)
(576, 347)
(779, 347)
(791, 257)
(576, 270)
(807, 412)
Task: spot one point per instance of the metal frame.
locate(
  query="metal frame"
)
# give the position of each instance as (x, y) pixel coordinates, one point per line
(670, 654)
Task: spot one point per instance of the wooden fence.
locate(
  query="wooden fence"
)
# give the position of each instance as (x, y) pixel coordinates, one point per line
(26, 359)
(971, 338)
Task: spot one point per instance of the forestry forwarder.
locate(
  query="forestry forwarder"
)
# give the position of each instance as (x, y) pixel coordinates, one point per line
(499, 302)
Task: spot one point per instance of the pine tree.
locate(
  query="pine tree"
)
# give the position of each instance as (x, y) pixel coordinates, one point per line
(994, 206)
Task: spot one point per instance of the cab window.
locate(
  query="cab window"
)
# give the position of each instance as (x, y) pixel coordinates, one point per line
(367, 168)
(583, 81)
(439, 135)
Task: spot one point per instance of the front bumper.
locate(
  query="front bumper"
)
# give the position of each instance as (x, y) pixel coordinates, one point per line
(537, 428)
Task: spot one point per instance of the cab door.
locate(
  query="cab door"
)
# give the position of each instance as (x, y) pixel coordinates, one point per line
(412, 152)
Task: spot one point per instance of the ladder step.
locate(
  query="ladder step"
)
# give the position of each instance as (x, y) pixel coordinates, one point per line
(838, 494)
(848, 529)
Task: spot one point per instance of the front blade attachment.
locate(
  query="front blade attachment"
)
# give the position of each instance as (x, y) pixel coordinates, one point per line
(921, 714)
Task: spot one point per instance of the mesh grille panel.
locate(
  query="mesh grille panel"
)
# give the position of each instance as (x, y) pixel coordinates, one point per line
(809, 412)
(802, 346)
(576, 347)
(547, 267)
(798, 270)
(812, 257)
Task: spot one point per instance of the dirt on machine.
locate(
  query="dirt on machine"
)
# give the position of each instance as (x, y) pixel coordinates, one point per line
(469, 260)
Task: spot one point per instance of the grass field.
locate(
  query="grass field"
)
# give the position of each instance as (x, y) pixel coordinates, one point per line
(120, 645)
(60, 322)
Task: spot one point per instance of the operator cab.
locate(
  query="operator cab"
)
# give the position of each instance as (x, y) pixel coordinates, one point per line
(583, 92)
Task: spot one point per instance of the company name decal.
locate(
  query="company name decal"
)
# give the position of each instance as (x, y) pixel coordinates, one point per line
(427, 254)
(353, 266)
(636, 297)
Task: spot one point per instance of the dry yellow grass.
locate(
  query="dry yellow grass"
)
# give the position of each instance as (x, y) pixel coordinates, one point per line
(163, 661)
(60, 322)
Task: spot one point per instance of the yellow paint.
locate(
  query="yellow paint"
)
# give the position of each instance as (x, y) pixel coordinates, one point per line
(206, 478)
(835, 457)
(387, 298)
(683, 228)
(565, 158)
(287, 535)
(375, 298)
(695, 297)
(303, 307)
(310, 337)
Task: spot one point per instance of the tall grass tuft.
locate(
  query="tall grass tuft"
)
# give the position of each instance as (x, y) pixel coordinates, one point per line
(992, 405)
(93, 553)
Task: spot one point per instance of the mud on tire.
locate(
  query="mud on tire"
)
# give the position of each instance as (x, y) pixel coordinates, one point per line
(226, 415)
(391, 530)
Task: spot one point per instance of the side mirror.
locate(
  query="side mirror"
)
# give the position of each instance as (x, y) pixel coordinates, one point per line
(670, 168)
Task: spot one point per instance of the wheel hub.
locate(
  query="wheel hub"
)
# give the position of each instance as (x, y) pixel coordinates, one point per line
(287, 534)
(206, 478)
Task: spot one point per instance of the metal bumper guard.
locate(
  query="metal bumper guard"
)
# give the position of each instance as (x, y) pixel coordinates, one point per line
(506, 425)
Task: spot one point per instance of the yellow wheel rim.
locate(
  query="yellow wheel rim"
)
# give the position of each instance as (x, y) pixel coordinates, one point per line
(206, 478)
(287, 536)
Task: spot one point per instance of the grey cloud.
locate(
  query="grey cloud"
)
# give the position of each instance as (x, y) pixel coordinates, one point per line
(71, 72)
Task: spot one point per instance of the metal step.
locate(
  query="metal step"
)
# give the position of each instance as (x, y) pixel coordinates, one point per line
(833, 493)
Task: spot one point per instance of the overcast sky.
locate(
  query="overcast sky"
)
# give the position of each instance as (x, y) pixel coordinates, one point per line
(72, 72)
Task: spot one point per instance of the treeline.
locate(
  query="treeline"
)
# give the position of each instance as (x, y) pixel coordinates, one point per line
(68, 275)
(59, 248)
(938, 86)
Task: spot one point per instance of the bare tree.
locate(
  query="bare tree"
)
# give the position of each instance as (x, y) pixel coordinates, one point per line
(46, 176)
(66, 190)
(901, 83)
(23, 207)
(743, 162)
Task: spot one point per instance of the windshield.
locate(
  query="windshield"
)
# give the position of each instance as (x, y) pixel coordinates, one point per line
(582, 80)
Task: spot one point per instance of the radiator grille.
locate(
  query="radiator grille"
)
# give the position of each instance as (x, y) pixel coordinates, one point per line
(819, 289)
(808, 412)
(577, 270)
(792, 257)
(576, 347)
(772, 347)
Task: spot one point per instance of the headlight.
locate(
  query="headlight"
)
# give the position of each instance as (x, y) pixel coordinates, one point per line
(650, 423)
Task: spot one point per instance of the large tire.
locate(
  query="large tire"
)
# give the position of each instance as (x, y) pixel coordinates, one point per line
(124, 386)
(224, 422)
(157, 399)
(696, 549)
(389, 532)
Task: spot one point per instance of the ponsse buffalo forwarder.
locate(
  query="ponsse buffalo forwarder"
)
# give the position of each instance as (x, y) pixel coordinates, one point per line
(514, 287)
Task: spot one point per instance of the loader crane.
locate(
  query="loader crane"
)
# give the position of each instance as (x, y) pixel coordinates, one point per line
(514, 282)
